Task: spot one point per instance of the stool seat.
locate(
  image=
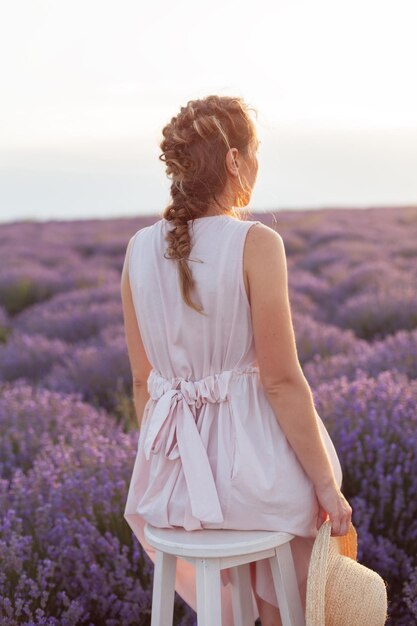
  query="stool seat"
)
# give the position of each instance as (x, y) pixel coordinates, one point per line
(210, 551)
(213, 543)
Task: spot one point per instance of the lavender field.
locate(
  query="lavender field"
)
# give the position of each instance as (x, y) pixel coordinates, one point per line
(69, 434)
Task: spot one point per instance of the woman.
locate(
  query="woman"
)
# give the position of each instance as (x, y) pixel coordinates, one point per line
(229, 435)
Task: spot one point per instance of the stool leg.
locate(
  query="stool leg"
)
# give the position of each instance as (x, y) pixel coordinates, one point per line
(163, 593)
(286, 586)
(242, 595)
(208, 592)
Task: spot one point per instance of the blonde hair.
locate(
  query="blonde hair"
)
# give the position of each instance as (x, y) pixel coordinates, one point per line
(194, 150)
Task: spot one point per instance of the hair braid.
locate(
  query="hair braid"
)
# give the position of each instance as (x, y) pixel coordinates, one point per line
(194, 148)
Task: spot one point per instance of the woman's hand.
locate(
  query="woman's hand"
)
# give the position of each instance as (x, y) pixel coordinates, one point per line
(332, 503)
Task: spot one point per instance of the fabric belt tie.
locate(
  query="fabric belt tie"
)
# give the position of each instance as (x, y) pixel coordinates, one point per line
(173, 421)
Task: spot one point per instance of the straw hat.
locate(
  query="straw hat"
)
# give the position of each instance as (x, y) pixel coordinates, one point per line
(341, 591)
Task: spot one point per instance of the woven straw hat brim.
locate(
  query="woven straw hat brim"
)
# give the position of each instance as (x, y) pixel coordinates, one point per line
(317, 570)
(341, 591)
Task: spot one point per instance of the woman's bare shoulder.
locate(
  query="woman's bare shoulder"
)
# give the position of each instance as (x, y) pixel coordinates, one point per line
(263, 258)
(262, 239)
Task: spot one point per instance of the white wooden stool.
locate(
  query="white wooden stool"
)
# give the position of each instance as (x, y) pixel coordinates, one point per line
(212, 550)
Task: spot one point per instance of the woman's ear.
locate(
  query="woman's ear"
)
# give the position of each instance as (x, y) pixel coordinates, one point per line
(232, 161)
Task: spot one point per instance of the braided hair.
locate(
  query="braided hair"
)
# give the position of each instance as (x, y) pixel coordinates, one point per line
(194, 148)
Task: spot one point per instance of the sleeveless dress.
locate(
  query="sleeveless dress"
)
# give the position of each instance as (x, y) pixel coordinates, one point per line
(211, 452)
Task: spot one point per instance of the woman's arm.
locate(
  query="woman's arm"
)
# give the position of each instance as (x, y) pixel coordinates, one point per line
(139, 364)
(283, 380)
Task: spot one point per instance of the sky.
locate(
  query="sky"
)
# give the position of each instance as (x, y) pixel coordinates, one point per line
(88, 85)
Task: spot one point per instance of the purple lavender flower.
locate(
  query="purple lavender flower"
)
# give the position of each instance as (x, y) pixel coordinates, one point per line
(66, 552)
(30, 356)
(372, 422)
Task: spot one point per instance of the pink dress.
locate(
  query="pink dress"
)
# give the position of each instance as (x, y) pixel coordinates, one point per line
(211, 453)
